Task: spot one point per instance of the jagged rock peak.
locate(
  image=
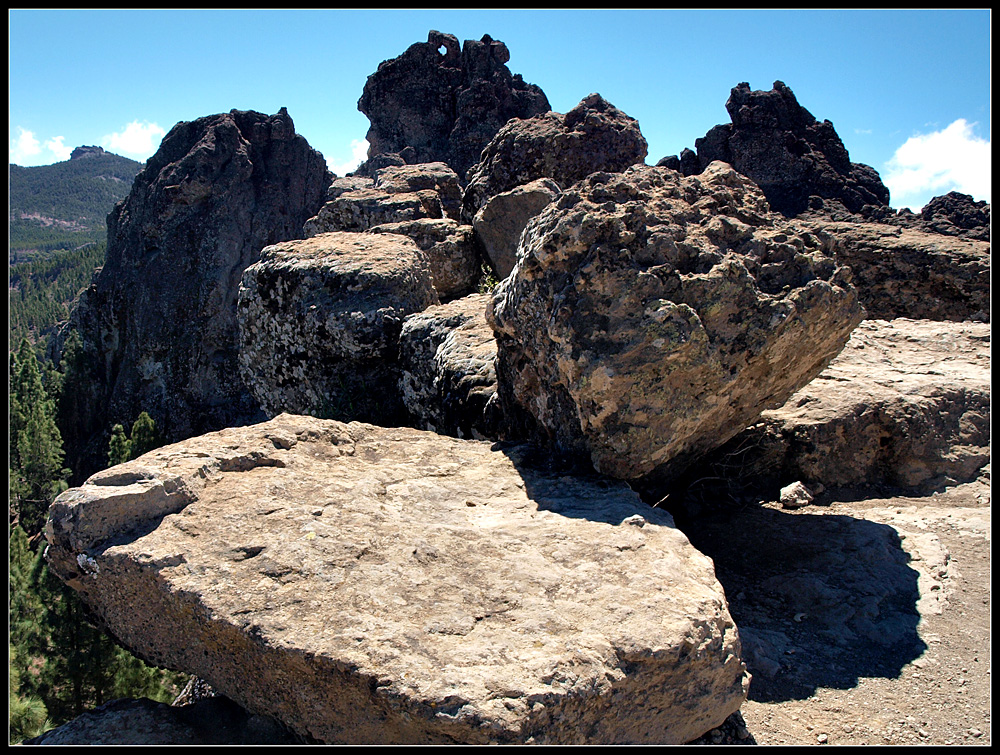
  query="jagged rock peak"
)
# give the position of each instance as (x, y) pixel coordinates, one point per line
(437, 102)
(86, 151)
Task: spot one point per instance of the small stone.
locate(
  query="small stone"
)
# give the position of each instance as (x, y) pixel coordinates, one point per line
(822, 739)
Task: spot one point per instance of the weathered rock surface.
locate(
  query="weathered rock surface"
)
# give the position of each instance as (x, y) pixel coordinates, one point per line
(438, 103)
(953, 214)
(906, 404)
(594, 136)
(906, 273)
(434, 176)
(797, 161)
(502, 219)
(651, 317)
(446, 356)
(319, 323)
(213, 721)
(159, 320)
(373, 585)
(450, 250)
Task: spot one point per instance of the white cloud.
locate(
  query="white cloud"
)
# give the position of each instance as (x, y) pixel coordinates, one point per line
(927, 165)
(137, 139)
(24, 147)
(865, 131)
(56, 147)
(359, 153)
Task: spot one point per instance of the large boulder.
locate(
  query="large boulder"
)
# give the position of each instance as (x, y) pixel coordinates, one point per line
(798, 162)
(319, 323)
(594, 136)
(159, 320)
(502, 219)
(448, 381)
(438, 103)
(905, 404)
(372, 585)
(450, 250)
(651, 317)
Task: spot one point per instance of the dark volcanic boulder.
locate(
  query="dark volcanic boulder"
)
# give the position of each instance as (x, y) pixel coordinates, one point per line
(953, 214)
(799, 162)
(437, 103)
(594, 136)
(651, 317)
(159, 320)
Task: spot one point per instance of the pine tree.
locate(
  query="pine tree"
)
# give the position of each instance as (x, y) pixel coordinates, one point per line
(144, 436)
(27, 716)
(120, 447)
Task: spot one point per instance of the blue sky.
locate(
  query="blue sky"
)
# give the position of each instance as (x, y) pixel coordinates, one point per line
(907, 91)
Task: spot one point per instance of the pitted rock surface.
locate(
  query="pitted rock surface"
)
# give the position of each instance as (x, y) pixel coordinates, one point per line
(500, 223)
(319, 323)
(908, 273)
(438, 103)
(905, 404)
(594, 136)
(651, 317)
(377, 585)
(159, 320)
(796, 160)
(434, 176)
(450, 251)
(448, 381)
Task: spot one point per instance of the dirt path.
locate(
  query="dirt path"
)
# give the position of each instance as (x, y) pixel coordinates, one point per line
(864, 621)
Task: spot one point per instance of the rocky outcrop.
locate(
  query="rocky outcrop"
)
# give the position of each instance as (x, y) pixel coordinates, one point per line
(952, 214)
(319, 323)
(86, 151)
(446, 356)
(651, 317)
(594, 136)
(798, 162)
(906, 273)
(438, 103)
(394, 585)
(450, 250)
(502, 219)
(159, 320)
(905, 404)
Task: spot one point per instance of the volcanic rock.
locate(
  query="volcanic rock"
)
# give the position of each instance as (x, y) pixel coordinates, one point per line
(372, 585)
(798, 162)
(594, 136)
(905, 404)
(651, 317)
(86, 151)
(436, 103)
(502, 219)
(319, 323)
(159, 320)
(446, 356)
(953, 214)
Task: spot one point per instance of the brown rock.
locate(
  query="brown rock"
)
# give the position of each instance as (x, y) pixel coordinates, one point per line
(374, 585)
(450, 251)
(501, 221)
(651, 317)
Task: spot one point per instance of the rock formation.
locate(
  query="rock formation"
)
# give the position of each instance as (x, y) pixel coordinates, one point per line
(502, 219)
(952, 214)
(798, 162)
(372, 585)
(319, 323)
(437, 103)
(594, 136)
(159, 320)
(651, 317)
(448, 382)
(86, 151)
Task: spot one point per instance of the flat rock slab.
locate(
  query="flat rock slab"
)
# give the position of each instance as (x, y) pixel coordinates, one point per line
(370, 585)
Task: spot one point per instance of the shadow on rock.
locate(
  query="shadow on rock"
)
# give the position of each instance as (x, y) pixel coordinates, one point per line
(820, 600)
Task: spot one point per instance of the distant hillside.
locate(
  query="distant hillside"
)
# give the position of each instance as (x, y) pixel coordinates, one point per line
(65, 205)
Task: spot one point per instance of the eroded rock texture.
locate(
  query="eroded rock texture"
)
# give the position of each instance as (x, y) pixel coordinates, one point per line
(450, 251)
(502, 219)
(159, 320)
(952, 214)
(319, 323)
(438, 103)
(797, 161)
(373, 585)
(651, 317)
(594, 136)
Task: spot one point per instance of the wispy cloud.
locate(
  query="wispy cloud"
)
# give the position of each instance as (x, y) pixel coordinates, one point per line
(137, 139)
(56, 146)
(862, 131)
(359, 153)
(952, 159)
(24, 147)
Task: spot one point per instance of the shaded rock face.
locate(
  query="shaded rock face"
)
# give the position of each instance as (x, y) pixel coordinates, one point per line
(159, 320)
(905, 404)
(651, 317)
(952, 214)
(502, 219)
(438, 103)
(594, 136)
(908, 273)
(446, 356)
(392, 585)
(319, 323)
(798, 162)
